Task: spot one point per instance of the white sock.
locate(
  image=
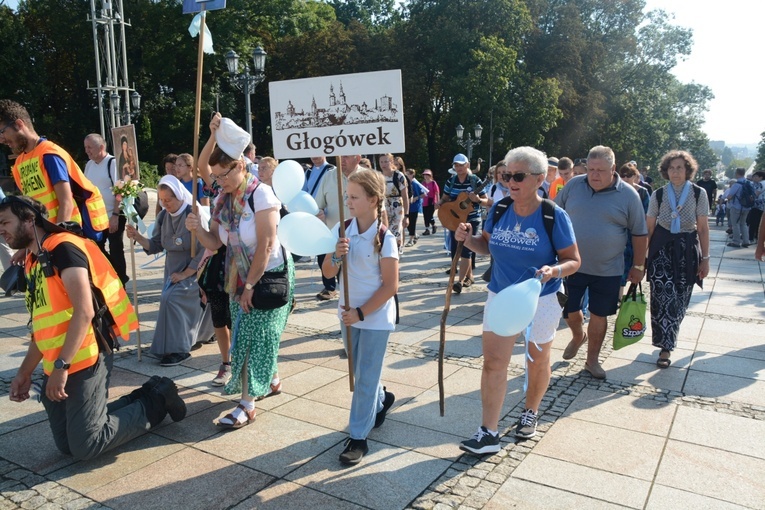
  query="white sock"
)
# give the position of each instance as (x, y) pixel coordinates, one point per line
(492, 432)
(238, 414)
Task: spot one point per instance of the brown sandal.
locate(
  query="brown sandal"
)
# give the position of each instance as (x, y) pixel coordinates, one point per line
(664, 362)
(274, 390)
(236, 424)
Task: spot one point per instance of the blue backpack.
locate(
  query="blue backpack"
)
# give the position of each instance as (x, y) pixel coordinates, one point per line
(746, 195)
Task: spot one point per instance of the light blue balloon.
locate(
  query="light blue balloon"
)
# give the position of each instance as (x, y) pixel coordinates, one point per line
(288, 180)
(513, 309)
(303, 202)
(305, 234)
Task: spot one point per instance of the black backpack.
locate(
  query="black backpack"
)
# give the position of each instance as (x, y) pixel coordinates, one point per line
(660, 195)
(548, 214)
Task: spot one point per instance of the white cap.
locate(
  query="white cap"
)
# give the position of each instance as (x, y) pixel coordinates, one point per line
(231, 138)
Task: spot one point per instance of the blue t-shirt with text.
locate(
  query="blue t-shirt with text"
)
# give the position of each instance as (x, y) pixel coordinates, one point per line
(519, 251)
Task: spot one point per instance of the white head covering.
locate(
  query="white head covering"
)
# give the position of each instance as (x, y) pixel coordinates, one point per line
(182, 194)
(231, 138)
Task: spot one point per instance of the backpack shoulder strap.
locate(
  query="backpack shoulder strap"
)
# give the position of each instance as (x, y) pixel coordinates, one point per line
(108, 169)
(501, 208)
(548, 218)
(659, 195)
(251, 199)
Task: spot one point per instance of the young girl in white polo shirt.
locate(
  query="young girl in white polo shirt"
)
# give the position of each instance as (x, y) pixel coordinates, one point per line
(371, 253)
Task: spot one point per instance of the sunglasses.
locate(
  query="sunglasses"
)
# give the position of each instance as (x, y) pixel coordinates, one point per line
(517, 177)
(580, 161)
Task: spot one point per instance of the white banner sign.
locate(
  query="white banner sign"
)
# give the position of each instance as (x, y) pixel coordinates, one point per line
(338, 115)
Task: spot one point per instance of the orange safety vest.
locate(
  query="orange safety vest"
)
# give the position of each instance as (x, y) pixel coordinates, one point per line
(51, 309)
(32, 179)
(555, 187)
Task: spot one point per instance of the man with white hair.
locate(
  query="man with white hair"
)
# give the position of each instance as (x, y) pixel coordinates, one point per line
(101, 169)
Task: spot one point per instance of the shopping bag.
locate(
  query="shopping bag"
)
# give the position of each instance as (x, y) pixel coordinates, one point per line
(630, 323)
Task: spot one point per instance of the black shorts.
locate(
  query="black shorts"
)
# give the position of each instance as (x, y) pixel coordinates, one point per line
(604, 293)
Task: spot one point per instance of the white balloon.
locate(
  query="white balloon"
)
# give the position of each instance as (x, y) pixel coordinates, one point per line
(303, 202)
(288, 180)
(305, 234)
(513, 309)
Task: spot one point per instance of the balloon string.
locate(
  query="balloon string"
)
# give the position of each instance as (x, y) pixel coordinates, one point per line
(527, 357)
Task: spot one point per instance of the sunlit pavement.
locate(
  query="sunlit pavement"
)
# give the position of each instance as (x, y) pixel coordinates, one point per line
(689, 435)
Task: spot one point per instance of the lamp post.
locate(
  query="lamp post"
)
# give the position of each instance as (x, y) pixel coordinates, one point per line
(128, 115)
(469, 142)
(245, 81)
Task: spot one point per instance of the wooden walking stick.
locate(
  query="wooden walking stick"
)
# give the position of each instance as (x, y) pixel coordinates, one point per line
(444, 315)
(344, 268)
(451, 215)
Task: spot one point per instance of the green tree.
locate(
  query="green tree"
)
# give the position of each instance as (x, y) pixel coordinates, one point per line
(760, 158)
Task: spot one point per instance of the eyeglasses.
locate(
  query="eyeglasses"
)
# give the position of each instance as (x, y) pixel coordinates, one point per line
(2, 131)
(223, 176)
(517, 177)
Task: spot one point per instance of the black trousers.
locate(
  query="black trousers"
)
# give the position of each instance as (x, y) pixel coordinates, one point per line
(116, 253)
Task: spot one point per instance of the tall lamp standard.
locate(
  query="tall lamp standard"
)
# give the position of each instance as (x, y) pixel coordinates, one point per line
(469, 142)
(126, 116)
(246, 81)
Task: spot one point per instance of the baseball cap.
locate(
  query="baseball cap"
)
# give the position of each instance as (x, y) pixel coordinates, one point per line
(461, 159)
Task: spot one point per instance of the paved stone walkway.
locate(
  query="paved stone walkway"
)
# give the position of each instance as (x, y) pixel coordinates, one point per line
(690, 435)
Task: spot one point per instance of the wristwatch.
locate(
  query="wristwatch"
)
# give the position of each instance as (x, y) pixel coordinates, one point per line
(60, 364)
(249, 286)
(639, 268)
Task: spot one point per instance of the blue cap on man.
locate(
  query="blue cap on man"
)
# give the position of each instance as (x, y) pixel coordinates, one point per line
(461, 159)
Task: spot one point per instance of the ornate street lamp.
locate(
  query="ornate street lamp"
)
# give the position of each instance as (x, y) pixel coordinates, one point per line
(470, 142)
(245, 81)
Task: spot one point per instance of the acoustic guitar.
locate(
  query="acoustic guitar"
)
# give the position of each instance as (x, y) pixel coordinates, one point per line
(451, 214)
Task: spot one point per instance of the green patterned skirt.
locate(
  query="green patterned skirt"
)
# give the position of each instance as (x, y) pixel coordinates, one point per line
(255, 341)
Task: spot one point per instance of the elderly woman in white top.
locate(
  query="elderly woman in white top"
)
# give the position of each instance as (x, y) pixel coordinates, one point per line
(678, 248)
(245, 217)
(180, 316)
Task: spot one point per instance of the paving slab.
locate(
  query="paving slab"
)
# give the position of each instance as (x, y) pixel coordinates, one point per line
(640, 414)
(663, 497)
(723, 431)
(742, 389)
(713, 473)
(264, 445)
(283, 495)
(603, 447)
(189, 479)
(388, 478)
(525, 495)
(601, 485)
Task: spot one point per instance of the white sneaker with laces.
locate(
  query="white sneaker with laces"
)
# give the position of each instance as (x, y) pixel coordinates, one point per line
(224, 375)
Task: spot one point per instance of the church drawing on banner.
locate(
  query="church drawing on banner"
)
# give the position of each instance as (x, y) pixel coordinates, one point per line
(337, 112)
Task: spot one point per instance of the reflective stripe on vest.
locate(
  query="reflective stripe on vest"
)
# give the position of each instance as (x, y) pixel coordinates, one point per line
(52, 310)
(32, 179)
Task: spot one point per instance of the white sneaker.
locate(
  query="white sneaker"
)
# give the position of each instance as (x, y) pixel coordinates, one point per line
(224, 375)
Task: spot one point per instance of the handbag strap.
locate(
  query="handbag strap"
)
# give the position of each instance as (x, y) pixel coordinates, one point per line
(632, 291)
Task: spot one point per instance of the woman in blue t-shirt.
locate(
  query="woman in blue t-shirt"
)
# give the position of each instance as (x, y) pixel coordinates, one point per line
(521, 247)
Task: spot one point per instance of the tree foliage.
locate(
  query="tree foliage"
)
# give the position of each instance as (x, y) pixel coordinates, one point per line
(559, 75)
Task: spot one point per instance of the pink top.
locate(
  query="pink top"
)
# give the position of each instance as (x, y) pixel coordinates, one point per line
(434, 193)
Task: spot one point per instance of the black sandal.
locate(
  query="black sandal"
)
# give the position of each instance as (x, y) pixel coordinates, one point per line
(663, 362)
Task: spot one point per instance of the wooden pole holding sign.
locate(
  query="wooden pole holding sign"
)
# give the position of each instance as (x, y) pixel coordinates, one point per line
(346, 298)
(135, 298)
(197, 114)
